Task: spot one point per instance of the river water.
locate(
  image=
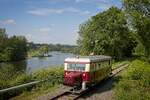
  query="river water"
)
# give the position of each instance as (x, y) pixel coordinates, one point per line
(36, 63)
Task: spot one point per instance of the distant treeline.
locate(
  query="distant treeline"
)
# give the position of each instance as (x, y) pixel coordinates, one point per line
(16, 48)
(12, 48)
(51, 47)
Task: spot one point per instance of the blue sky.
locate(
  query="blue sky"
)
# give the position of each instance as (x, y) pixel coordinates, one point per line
(49, 21)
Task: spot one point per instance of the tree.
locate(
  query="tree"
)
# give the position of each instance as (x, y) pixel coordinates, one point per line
(44, 50)
(3, 43)
(106, 33)
(13, 48)
(3, 38)
(17, 44)
(138, 12)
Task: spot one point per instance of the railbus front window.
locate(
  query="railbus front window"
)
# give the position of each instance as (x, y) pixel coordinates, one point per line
(76, 67)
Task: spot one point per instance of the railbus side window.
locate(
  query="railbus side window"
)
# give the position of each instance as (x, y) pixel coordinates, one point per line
(76, 66)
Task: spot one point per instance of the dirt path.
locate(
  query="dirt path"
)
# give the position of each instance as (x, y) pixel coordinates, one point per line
(102, 92)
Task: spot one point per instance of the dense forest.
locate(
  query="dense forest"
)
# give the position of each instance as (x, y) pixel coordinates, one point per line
(118, 32)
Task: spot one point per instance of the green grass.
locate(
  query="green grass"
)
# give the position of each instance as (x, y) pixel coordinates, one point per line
(9, 77)
(134, 83)
(36, 92)
(52, 75)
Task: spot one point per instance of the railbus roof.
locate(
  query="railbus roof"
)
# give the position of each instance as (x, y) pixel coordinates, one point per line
(87, 59)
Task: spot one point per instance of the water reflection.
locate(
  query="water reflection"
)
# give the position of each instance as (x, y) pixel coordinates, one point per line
(57, 58)
(37, 63)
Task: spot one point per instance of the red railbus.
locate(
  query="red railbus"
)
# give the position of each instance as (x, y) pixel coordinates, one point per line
(86, 70)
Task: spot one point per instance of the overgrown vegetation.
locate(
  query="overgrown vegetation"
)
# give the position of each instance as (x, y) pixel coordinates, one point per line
(138, 14)
(134, 83)
(53, 77)
(12, 48)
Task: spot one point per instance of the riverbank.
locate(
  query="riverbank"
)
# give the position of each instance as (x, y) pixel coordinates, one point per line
(36, 63)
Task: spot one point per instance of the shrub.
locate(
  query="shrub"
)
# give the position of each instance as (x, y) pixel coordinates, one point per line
(134, 82)
(52, 76)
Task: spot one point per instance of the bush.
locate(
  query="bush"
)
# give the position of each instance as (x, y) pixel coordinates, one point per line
(52, 76)
(134, 82)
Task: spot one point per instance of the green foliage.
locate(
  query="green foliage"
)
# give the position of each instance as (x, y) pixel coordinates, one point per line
(51, 74)
(138, 12)
(10, 76)
(139, 50)
(13, 48)
(44, 49)
(52, 77)
(134, 83)
(106, 33)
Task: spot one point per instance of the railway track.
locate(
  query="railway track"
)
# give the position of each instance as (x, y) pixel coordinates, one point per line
(73, 95)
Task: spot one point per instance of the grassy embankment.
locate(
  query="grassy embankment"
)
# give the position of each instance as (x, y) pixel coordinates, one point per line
(53, 75)
(27, 95)
(134, 82)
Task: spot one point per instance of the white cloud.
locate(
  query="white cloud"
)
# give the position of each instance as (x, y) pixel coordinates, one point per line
(44, 11)
(44, 29)
(74, 10)
(7, 21)
(47, 11)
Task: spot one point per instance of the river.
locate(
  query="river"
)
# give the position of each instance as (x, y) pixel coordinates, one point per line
(36, 63)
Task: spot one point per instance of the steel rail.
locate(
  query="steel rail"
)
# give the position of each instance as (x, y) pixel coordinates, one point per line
(20, 86)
